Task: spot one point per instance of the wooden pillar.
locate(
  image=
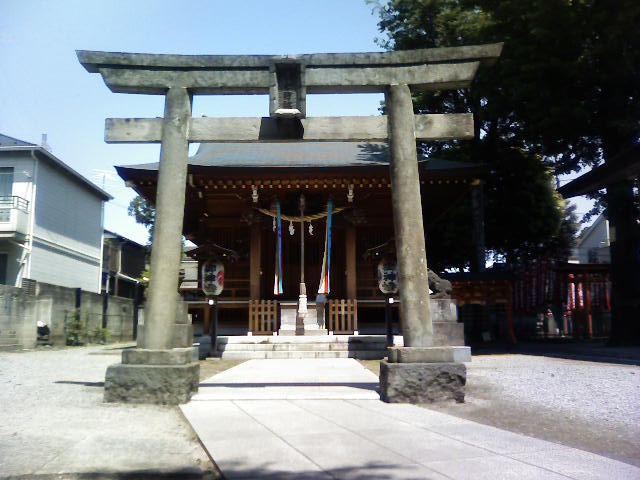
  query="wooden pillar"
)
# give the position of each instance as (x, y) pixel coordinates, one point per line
(206, 321)
(254, 261)
(350, 261)
(477, 229)
(587, 306)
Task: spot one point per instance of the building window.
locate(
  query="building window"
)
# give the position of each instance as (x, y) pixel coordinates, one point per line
(6, 192)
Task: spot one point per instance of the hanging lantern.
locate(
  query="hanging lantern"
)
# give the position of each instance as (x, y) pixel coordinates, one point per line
(310, 229)
(212, 278)
(292, 230)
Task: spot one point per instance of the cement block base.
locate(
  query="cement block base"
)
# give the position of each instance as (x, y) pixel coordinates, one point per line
(174, 356)
(317, 331)
(159, 384)
(422, 382)
(447, 354)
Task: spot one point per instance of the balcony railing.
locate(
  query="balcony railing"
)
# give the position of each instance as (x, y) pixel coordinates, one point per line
(14, 217)
(12, 203)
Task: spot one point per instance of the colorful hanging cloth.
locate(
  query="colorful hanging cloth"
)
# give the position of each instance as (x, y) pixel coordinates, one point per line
(277, 281)
(324, 287)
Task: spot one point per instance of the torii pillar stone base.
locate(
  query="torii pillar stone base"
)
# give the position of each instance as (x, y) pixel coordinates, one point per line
(417, 372)
(138, 380)
(167, 376)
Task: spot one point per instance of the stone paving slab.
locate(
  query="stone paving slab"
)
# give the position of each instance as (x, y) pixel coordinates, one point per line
(319, 436)
(291, 379)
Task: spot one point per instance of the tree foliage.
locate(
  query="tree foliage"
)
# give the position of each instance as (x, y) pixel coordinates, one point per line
(143, 212)
(564, 94)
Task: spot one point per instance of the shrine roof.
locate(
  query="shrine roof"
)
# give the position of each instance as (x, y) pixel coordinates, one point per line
(301, 155)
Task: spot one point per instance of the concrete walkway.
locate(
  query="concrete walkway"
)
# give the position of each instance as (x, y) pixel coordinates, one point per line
(293, 419)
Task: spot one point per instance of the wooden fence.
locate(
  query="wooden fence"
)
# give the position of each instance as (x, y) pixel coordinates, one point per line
(343, 316)
(263, 316)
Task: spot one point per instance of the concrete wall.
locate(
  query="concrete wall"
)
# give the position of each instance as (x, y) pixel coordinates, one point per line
(52, 304)
(17, 319)
(58, 303)
(67, 232)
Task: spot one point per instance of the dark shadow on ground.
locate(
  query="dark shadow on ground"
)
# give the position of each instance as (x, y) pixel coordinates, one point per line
(85, 384)
(112, 350)
(134, 475)
(366, 471)
(365, 386)
(591, 351)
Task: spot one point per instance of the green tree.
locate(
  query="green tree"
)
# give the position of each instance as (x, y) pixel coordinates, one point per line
(563, 94)
(566, 90)
(143, 212)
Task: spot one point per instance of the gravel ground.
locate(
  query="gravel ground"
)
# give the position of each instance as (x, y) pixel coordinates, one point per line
(586, 405)
(53, 421)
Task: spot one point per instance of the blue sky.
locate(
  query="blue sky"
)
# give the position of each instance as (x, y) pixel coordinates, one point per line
(43, 88)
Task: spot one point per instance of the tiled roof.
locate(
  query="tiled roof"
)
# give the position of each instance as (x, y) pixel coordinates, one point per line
(298, 155)
(7, 141)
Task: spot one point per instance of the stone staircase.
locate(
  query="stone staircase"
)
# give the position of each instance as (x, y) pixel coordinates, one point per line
(364, 347)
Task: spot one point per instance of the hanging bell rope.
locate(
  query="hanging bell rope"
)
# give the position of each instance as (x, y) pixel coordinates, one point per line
(307, 218)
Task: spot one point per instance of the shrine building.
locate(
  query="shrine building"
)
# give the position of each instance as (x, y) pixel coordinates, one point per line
(233, 194)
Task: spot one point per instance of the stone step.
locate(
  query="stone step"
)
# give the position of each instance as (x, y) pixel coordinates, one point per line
(299, 347)
(276, 339)
(248, 355)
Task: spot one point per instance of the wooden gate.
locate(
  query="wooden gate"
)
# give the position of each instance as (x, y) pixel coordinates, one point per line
(263, 316)
(343, 316)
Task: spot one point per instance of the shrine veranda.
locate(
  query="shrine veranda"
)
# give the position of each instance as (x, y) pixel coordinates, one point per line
(219, 205)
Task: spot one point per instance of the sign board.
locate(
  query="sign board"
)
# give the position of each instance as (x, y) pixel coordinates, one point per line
(212, 278)
(388, 277)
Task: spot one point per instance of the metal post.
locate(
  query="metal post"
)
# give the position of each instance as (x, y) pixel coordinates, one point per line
(302, 300)
(213, 329)
(388, 320)
(302, 206)
(136, 306)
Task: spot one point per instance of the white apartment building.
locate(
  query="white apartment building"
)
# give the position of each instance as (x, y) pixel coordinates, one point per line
(51, 219)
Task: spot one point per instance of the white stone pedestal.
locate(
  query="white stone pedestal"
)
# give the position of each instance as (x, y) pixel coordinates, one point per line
(288, 314)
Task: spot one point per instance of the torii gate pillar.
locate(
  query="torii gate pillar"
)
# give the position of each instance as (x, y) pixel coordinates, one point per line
(167, 230)
(417, 328)
(162, 369)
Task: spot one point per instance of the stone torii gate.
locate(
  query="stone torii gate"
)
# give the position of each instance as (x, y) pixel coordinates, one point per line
(161, 369)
